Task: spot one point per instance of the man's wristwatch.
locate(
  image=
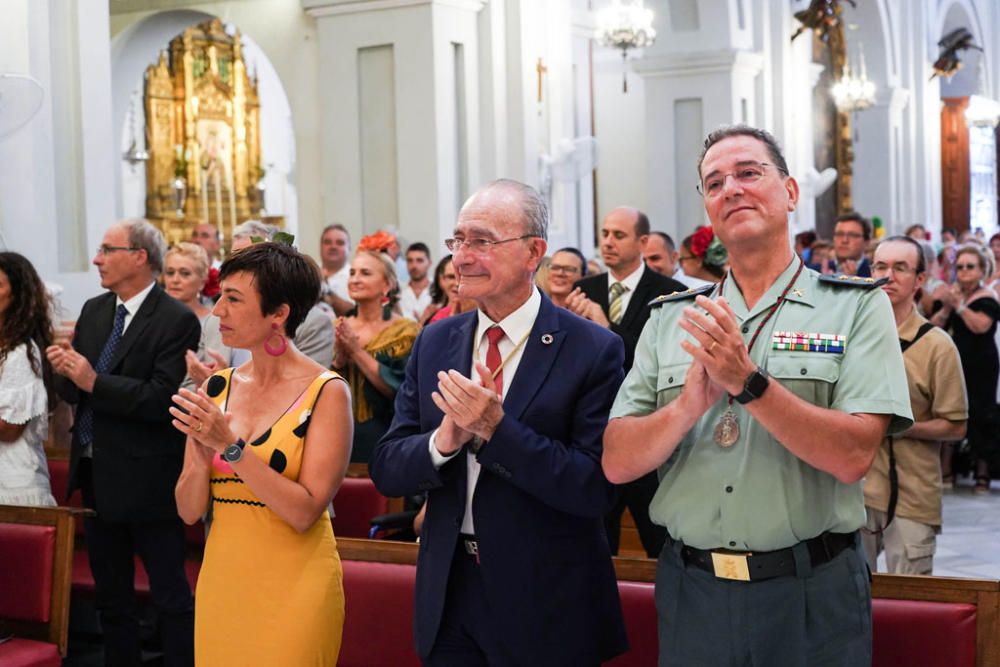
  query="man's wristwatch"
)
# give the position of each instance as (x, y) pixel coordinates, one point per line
(234, 452)
(754, 387)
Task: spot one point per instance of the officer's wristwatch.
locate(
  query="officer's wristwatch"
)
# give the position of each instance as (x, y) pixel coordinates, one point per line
(234, 452)
(754, 387)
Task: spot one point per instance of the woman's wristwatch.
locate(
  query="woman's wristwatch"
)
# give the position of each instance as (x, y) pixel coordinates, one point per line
(234, 452)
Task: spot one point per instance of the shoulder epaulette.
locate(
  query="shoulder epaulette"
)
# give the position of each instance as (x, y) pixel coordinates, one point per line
(842, 280)
(678, 296)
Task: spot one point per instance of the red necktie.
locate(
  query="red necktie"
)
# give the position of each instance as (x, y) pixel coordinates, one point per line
(494, 334)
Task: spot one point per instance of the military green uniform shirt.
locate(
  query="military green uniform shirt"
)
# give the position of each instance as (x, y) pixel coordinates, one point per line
(833, 344)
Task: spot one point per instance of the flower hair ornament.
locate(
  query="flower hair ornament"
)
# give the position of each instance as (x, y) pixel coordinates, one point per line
(378, 242)
(706, 246)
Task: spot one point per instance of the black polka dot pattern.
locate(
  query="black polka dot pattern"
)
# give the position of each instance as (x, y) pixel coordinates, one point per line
(278, 461)
(216, 385)
(262, 439)
(300, 430)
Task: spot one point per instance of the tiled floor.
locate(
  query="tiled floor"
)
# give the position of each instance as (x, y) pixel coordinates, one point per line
(969, 544)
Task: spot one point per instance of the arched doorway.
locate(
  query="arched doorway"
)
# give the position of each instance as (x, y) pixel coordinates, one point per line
(137, 47)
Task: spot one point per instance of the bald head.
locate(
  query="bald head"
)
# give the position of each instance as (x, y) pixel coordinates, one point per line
(624, 234)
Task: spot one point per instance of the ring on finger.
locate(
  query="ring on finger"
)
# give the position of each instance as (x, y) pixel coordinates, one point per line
(712, 346)
(201, 425)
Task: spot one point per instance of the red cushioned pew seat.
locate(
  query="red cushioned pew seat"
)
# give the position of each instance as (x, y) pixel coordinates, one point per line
(29, 653)
(356, 502)
(917, 633)
(639, 611)
(378, 628)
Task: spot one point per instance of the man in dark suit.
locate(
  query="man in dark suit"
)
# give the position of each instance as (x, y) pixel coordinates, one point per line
(851, 235)
(619, 300)
(127, 360)
(514, 567)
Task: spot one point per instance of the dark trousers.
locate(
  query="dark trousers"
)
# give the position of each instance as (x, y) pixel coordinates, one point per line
(466, 636)
(636, 495)
(111, 547)
(820, 617)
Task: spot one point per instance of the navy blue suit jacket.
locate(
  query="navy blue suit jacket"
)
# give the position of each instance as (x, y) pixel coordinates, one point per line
(541, 495)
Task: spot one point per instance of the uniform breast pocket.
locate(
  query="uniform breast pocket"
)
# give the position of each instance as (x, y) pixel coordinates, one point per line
(810, 376)
(670, 382)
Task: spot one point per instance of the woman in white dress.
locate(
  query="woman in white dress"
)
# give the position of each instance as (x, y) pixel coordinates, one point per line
(25, 331)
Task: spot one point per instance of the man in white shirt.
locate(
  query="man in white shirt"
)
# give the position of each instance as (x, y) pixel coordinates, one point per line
(334, 251)
(416, 294)
(499, 420)
(660, 255)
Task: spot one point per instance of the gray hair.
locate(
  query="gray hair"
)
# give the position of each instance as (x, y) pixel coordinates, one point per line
(534, 210)
(142, 235)
(251, 228)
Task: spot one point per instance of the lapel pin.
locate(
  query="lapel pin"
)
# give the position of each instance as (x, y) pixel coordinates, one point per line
(546, 339)
(798, 292)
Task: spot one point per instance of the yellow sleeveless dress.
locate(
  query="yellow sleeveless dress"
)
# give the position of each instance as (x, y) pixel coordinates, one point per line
(266, 594)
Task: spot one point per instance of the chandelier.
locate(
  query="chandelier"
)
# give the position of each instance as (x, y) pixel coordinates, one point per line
(135, 153)
(854, 91)
(625, 24)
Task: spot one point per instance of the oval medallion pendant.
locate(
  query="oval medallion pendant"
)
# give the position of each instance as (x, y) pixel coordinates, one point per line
(727, 431)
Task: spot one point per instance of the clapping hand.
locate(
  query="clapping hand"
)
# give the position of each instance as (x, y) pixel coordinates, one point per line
(720, 347)
(197, 417)
(472, 406)
(579, 303)
(198, 371)
(68, 362)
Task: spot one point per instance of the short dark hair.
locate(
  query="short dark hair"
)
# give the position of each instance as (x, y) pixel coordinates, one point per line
(338, 227)
(921, 260)
(742, 130)
(418, 247)
(671, 246)
(281, 275)
(579, 255)
(641, 224)
(854, 216)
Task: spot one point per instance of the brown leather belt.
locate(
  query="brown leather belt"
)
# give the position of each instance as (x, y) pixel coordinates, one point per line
(760, 565)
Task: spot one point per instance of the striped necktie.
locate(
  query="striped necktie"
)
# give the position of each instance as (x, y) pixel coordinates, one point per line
(85, 416)
(615, 307)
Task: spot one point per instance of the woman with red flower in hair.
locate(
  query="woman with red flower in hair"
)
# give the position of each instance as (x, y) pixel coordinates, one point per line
(373, 343)
(703, 256)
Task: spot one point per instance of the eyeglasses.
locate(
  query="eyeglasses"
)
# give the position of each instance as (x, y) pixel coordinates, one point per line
(559, 268)
(748, 173)
(480, 246)
(104, 250)
(848, 235)
(966, 267)
(899, 268)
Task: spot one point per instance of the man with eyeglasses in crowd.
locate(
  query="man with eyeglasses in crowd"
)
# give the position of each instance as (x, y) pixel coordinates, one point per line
(126, 362)
(850, 238)
(903, 487)
(619, 300)
(499, 420)
(761, 401)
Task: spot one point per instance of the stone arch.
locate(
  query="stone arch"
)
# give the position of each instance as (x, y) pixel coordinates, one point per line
(138, 46)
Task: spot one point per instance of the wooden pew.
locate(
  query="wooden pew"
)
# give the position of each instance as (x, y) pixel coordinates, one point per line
(62, 519)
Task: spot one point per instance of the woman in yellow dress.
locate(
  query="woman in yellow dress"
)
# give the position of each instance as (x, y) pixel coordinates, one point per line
(372, 347)
(267, 448)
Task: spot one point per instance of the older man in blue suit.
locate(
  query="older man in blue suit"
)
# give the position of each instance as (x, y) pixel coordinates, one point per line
(500, 420)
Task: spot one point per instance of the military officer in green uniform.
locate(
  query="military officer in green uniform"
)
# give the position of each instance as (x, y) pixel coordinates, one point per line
(762, 402)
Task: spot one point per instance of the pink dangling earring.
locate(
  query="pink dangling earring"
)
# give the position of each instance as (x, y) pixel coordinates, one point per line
(278, 349)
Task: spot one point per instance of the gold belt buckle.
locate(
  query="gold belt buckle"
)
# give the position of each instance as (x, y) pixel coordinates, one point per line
(731, 565)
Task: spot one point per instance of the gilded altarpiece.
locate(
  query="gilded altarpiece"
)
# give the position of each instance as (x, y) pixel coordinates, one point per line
(203, 135)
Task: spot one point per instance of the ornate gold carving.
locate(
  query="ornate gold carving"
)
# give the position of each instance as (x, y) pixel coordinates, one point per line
(203, 120)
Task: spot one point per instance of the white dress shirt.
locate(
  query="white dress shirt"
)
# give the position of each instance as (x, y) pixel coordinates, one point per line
(337, 283)
(629, 282)
(515, 326)
(411, 305)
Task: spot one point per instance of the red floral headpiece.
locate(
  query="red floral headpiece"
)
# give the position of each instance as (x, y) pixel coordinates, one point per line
(700, 240)
(211, 283)
(377, 242)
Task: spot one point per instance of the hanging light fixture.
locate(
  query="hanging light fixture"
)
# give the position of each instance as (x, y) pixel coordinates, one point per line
(135, 154)
(625, 24)
(854, 91)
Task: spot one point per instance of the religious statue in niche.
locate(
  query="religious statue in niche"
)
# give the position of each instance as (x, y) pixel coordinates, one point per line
(203, 134)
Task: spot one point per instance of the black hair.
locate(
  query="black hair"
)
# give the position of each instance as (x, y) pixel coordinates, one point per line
(418, 247)
(579, 255)
(438, 295)
(741, 130)
(641, 224)
(281, 275)
(27, 318)
(671, 246)
(854, 216)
